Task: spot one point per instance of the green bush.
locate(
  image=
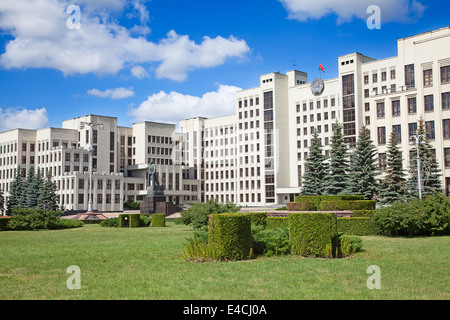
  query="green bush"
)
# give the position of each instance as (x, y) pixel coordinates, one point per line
(313, 234)
(145, 220)
(110, 223)
(431, 216)
(231, 232)
(258, 218)
(348, 245)
(360, 226)
(35, 219)
(197, 215)
(197, 250)
(158, 220)
(135, 221)
(132, 205)
(124, 221)
(270, 242)
(362, 213)
(347, 205)
(4, 223)
(302, 206)
(277, 222)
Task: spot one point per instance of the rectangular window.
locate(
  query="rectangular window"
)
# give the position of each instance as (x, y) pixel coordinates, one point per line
(409, 76)
(268, 100)
(349, 129)
(412, 105)
(430, 131)
(446, 128)
(382, 162)
(349, 115)
(447, 158)
(429, 103)
(412, 129)
(446, 100)
(392, 74)
(428, 77)
(396, 108)
(348, 84)
(381, 135)
(397, 130)
(380, 110)
(445, 74)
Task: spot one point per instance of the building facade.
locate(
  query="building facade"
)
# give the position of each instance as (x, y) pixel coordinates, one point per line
(256, 156)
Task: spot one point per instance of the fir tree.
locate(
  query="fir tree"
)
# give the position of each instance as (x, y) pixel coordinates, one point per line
(364, 167)
(393, 185)
(429, 168)
(48, 199)
(31, 189)
(2, 202)
(15, 191)
(337, 179)
(315, 169)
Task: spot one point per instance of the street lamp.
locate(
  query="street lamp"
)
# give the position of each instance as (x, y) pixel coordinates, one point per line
(420, 139)
(91, 126)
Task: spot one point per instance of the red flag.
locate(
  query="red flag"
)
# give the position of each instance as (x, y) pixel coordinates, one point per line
(322, 68)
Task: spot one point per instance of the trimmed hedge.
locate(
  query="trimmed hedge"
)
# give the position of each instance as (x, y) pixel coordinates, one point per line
(302, 206)
(362, 213)
(258, 218)
(4, 223)
(124, 221)
(341, 205)
(231, 233)
(313, 234)
(135, 220)
(358, 226)
(158, 220)
(277, 222)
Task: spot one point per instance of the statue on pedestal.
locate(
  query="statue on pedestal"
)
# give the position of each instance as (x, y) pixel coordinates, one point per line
(154, 188)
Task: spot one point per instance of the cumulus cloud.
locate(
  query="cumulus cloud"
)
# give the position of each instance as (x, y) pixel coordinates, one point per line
(173, 107)
(346, 10)
(101, 46)
(139, 72)
(116, 94)
(13, 118)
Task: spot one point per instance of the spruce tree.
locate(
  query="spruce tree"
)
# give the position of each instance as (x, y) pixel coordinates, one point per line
(337, 179)
(2, 202)
(31, 189)
(364, 167)
(315, 169)
(15, 191)
(393, 184)
(48, 199)
(429, 168)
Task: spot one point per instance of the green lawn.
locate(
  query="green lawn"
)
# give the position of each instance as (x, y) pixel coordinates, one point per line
(147, 263)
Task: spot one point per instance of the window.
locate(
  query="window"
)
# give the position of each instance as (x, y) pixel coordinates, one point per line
(349, 129)
(412, 105)
(383, 76)
(428, 77)
(430, 132)
(382, 162)
(447, 158)
(446, 128)
(445, 74)
(397, 130)
(392, 74)
(366, 79)
(409, 76)
(348, 84)
(395, 108)
(349, 115)
(412, 128)
(380, 110)
(446, 100)
(429, 103)
(381, 135)
(375, 78)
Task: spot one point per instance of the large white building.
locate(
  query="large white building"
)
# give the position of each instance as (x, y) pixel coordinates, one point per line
(256, 156)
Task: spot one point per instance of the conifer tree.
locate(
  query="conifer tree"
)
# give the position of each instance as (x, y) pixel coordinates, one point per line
(429, 168)
(337, 179)
(364, 167)
(48, 199)
(15, 191)
(31, 189)
(393, 184)
(315, 169)
(2, 202)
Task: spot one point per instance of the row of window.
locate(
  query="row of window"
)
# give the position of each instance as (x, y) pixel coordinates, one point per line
(383, 76)
(412, 129)
(248, 102)
(317, 117)
(318, 104)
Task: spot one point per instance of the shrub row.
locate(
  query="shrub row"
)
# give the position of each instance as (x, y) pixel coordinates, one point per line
(359, 226)
(4, 223)
(277, 222)
(331, 203)
(128, 221)
(35, 219)
(362, 213)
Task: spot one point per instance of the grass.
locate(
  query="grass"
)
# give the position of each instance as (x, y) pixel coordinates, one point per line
(147, 263)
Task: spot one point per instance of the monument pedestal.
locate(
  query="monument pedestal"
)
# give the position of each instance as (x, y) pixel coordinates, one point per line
(155, 201)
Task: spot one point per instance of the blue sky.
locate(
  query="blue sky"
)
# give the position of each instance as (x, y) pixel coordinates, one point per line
(166, 60)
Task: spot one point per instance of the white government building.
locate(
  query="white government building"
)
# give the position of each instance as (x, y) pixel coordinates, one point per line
(256, 156)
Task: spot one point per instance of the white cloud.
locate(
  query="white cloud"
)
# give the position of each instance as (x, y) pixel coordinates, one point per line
(116, 94)
(139, 72)
(41, 39)
(13, 118)
(173, 107)
(346, 10)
